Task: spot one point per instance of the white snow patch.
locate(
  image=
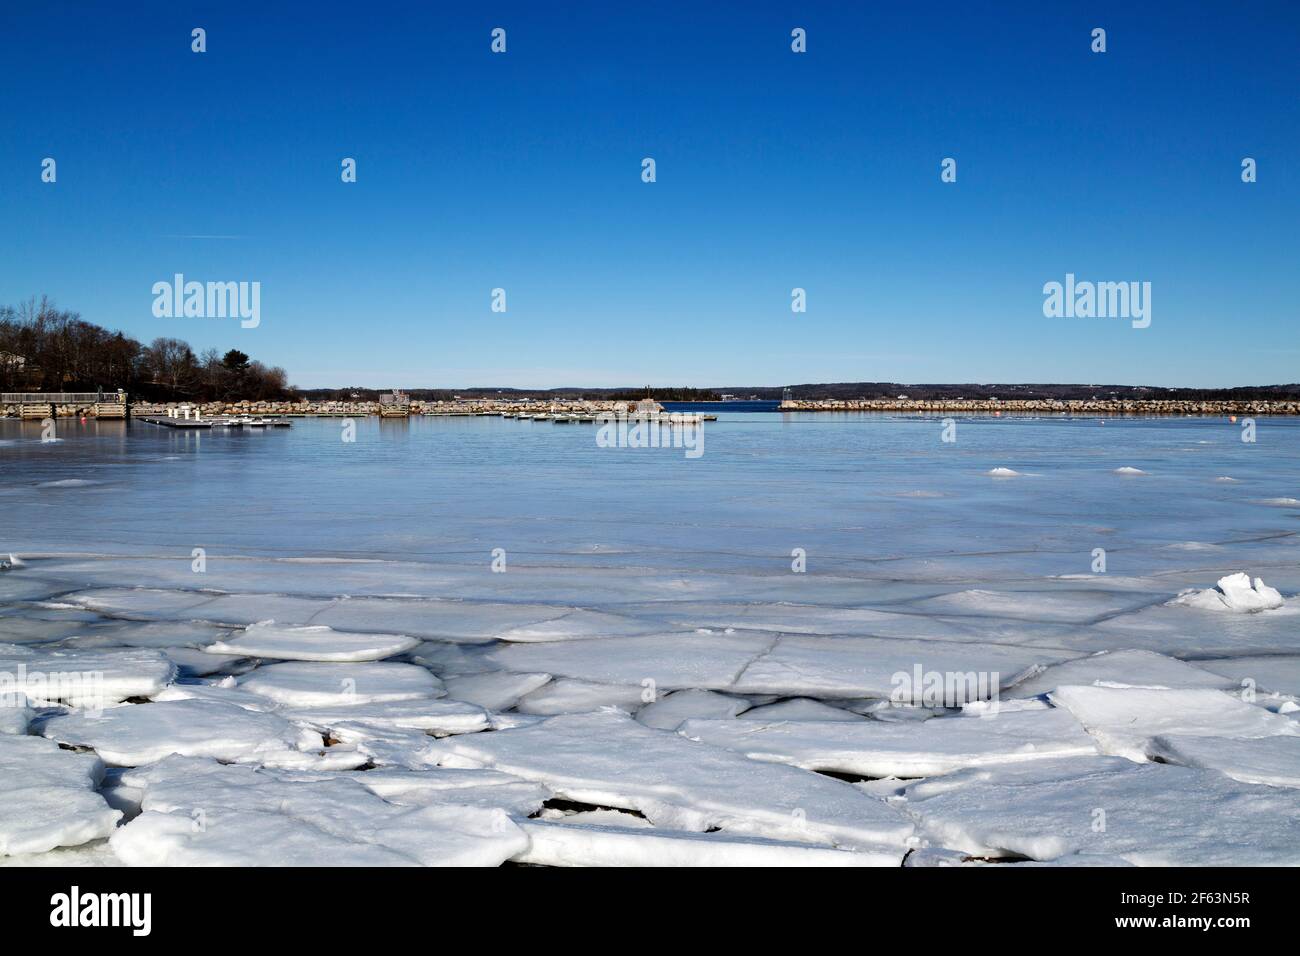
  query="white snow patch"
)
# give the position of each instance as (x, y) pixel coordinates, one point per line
(1233, 593)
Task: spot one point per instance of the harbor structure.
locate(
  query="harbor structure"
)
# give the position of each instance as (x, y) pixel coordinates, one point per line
(394, 404)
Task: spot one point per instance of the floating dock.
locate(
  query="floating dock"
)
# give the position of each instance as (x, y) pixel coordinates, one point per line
(188, 423)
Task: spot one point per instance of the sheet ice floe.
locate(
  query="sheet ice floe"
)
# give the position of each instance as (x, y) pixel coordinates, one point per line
(1123, 668)
(203, 813)
(1124, 720)
(1147, 814)
(1233, 592)
(48, 798)
(608, 759)
(497, 690)
(667, 712)
(322, 685)
(799, 708)
(568, 696)
(432, 786)
(83, 678)
(1067, 602)
(577, 625)
(266, 639)
(576, 844)
(440, 717)
(1273, 761)
(845, 667)
(135, 734)
(671, 661)
(763, 663)
(872, 748)
(1279, 674)
(15, 714)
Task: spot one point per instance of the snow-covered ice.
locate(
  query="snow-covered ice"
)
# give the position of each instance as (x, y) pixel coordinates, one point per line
(667, 712)
(312, 643)
(83, 678)
(323, 685)
(1124, 719)
(569, 844)
(1274, 761)
(495, 690)
(608, 759)
(1124, 668)
(567, 696)
(872, 748)
(835, 667)
(48, 798)
(136, 734)
(202, 813)
(1148, 815)
(1234, 592)
(652, 682)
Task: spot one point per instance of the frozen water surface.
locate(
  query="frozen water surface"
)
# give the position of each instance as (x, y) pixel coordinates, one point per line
(417, 701)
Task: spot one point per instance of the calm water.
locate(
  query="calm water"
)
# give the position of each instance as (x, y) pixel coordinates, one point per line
(854, 489)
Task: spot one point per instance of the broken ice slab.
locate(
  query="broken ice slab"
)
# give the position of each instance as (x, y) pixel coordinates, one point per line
(667, 712)
(83, 678)
(573, 844)
(1147, 814)
(1124, 668)
(324, 685)
(48, 798)
(135, 734)
(495, 690)
(430, 716)
(1123, 720)
(1272, 761)
(568, 696)
(799, 708)
(608, 759)
(672, 661)
(872, 748)
(840, 667)
(1279, 674)
(202, 813)
(266, 639)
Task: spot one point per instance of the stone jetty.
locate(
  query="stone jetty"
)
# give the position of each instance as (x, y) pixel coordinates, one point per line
(1091, 406)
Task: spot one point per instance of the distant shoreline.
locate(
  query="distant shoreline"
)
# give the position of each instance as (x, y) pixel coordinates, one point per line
(531, 408)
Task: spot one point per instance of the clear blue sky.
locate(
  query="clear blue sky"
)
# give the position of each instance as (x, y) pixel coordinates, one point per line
(775, 170)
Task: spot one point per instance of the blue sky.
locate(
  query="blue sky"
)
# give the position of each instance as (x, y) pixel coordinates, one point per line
(775, 170)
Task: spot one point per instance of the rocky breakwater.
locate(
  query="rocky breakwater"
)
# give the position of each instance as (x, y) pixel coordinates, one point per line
(1048, 406)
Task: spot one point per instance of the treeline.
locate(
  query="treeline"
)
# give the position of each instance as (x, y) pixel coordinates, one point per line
(46, 349)
(667, 395)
